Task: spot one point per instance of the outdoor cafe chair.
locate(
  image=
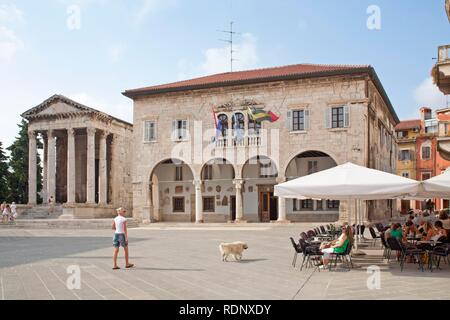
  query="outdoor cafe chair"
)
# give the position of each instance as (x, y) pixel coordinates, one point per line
(303, 236)
(297, 249)
(309, 251)
(346, 255)
(374, 235)
(396, 245)
(387, 250)
(310, 233)
(438, 252)
(322, 229)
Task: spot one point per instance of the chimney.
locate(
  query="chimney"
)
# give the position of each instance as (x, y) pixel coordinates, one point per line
(425, 114)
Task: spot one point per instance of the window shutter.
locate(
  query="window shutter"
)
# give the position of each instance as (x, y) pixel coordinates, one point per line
(289, 121)
(328, 118)
(174, 130)
(185, 129)
(346, 117)
(145, 131)
(306, 115)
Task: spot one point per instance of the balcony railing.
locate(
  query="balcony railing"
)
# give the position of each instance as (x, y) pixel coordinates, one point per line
(231, 142)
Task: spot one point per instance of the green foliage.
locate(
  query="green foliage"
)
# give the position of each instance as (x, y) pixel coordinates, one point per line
(4, 173)
(18, 178)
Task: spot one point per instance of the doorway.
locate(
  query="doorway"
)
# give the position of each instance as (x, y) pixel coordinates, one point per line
(268, 204)
(232, 208)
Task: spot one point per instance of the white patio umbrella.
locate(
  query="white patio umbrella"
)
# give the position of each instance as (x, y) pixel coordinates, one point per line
(348, 182)
(436, 187)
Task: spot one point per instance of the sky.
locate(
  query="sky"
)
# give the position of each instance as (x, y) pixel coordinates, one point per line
(92, 50)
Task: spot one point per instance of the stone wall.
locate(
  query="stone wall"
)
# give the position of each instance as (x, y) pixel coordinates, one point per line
(315, 95)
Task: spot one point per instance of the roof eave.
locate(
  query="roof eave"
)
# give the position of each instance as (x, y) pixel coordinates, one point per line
(147, 92)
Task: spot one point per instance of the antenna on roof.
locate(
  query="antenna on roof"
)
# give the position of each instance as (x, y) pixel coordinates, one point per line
(230, 41)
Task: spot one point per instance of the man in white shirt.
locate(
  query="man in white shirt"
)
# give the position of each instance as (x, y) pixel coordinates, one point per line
(120, 238)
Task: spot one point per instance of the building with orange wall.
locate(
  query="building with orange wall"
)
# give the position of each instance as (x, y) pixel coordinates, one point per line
(424, 150)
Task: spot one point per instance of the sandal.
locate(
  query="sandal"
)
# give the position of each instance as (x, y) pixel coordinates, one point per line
(116, 268)
(130, 266)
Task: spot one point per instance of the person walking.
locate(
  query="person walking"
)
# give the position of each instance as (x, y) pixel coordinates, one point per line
(51, 203)
(6, 214)
(13, 211)
(120, 238)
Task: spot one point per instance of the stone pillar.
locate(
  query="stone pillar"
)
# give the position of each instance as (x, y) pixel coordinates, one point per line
(44, 169)
(32, 169)
(90, 165)
(51, 168)
(239, 204)
(198, 201)
(71, 178)
(282, 205)
(103, 174)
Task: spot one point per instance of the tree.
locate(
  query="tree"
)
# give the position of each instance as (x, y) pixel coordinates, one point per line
(4, 173)
(18, 178)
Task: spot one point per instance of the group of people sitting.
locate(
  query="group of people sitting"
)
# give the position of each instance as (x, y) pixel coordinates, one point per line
(421, 226)
(9, 212)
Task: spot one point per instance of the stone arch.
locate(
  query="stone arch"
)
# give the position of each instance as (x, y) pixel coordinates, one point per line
(261, 159)
(295, 154)
(328, 162)
(218, 161)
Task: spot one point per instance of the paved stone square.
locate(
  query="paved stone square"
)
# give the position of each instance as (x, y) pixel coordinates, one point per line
(183, 262)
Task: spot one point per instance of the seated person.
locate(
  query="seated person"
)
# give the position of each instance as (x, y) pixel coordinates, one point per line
(396, 231)
(336, 246)
(409, 229)
(439, 231)
(429, 231)
(445, 220)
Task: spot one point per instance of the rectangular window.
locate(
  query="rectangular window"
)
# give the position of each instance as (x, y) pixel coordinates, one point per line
(298, 120)
(402, 134)
(426, 152)
(307, 204)
(207, 172)
(332, 204)
(149, 131)
(267, 170)
(208, 204)
(337, 117)
(312, 167)
(446, 128)
(178, 204)
(404, 155)
(179, 129)
(178, 173)
(426, 176)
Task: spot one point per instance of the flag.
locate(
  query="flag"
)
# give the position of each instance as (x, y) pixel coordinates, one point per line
(238, 132)
(259, 115)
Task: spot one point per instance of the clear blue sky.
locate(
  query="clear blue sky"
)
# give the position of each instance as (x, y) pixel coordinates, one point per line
(127, 44)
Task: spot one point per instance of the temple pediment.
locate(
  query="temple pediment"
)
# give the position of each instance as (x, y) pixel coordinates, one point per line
(59, 107)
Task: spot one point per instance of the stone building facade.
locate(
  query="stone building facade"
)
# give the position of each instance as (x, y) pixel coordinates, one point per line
(185, 169)
(86, 166)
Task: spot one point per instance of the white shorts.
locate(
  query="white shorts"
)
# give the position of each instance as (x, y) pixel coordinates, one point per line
(327, 253)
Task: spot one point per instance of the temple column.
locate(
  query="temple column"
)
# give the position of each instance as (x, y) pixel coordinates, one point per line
(32, 169)
(51, 166)
(198, 201)
(239, 204)
(44, 169)
(90, 165)
(71, 178)
(103, 174)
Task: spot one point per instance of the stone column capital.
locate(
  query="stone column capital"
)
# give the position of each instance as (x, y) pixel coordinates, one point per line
(50, 133)
(198, 184)
(238, 183)
(281, 179)
(91, 131)
(71, 132)
(104, 134)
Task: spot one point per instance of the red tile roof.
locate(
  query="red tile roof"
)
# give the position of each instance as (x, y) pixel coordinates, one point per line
(249, 76)
(408, 124)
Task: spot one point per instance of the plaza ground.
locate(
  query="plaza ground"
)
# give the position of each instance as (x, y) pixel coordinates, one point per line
(176, 261)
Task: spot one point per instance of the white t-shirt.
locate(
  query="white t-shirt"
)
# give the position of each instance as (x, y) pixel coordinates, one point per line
(120, 224)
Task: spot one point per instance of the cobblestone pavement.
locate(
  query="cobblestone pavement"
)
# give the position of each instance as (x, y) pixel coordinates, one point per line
(183, 262)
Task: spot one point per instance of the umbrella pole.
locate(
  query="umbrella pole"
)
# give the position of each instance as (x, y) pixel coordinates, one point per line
(358, 252)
